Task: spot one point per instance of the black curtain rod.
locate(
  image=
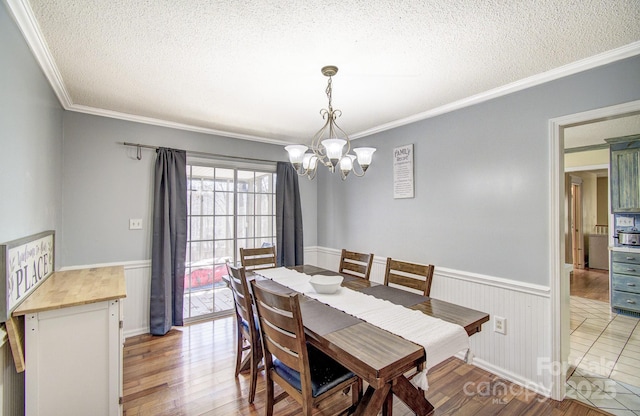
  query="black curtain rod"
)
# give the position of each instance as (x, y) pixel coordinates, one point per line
(146, 146)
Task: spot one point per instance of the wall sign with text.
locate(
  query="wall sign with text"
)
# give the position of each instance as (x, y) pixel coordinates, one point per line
(25, 263)
(403, 172)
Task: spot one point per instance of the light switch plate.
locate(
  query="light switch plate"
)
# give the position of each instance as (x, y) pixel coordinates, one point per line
(625, 222)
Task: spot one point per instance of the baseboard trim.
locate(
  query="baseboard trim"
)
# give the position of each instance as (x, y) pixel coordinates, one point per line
(508, 375)
(136, 332)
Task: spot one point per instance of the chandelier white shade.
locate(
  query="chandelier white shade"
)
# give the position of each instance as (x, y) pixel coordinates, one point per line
(330, 146)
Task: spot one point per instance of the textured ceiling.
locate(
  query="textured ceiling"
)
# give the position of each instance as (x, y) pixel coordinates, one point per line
(594, 134)
(252, 69)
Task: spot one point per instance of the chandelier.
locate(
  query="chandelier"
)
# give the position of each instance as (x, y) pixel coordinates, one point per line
(330, 146)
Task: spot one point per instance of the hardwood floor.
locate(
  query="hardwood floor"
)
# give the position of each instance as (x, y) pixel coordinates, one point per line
(190, 371)
(590, 284)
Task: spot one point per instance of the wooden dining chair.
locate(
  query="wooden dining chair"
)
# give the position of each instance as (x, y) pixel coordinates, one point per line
(411, 275)
(258, 258)
(356, 264)
(248, 335)
(302, 371)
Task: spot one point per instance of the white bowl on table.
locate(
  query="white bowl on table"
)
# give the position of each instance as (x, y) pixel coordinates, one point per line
(326, 284)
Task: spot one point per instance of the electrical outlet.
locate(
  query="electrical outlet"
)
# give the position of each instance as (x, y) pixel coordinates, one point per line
(625, 222)
(135, 223)
(500, 325)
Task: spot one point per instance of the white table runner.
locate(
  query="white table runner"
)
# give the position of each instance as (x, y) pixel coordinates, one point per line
(439, 338)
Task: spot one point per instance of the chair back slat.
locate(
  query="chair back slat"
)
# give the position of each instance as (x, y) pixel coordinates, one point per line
(258, 258)
(279, 319)
(289, 358)
(280, 328)
(356, 264)
(354, 267)
(405, 281)
(284, 341)
(411, 275)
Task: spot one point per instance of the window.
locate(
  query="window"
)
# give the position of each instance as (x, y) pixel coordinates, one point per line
(227, 208)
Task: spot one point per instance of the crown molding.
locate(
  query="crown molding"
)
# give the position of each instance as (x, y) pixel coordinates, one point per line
(26, 21)
(24, 17)
(595, 61)
(170, 124)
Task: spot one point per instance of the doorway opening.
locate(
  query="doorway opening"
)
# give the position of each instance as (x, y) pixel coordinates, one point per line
(560, 291)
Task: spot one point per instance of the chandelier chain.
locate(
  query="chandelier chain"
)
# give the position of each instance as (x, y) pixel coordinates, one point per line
(328, 91)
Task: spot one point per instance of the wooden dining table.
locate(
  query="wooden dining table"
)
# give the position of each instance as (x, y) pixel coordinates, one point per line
(379, 357)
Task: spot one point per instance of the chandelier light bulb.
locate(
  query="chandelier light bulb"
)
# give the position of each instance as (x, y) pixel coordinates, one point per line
(365, 154)
(346, 164)
(334, 148)
(296, 154)
(309, 162)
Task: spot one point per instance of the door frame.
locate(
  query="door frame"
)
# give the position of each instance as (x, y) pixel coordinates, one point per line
(558, 288)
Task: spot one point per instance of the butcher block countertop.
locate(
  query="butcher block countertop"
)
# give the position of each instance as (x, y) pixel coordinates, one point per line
(75, 287)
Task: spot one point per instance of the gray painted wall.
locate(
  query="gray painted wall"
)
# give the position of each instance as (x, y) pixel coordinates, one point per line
(481, 182)
(30, 141)
(30, 167)
(105, 185)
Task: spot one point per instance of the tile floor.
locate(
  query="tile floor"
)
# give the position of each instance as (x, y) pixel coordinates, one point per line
(605, 358)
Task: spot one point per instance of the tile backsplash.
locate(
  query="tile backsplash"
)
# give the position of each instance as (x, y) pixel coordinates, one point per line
(625, 222)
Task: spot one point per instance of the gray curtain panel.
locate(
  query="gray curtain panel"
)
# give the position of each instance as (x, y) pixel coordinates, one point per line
(289, 246)
(169, 240)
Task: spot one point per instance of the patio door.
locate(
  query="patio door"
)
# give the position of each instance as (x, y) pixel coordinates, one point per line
(227, 208)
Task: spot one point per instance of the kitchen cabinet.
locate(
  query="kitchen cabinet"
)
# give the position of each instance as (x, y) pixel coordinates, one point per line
(74, 343)
(625, 281)
(625, 173)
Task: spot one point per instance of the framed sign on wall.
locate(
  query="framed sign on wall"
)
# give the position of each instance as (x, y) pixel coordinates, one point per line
(403, 185)
(25, 264)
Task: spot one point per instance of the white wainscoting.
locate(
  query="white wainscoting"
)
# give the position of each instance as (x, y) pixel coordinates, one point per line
(514, 356)
(136, 304)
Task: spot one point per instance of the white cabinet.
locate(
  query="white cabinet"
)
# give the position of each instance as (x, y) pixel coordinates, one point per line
(74, 361)
(73, 344)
